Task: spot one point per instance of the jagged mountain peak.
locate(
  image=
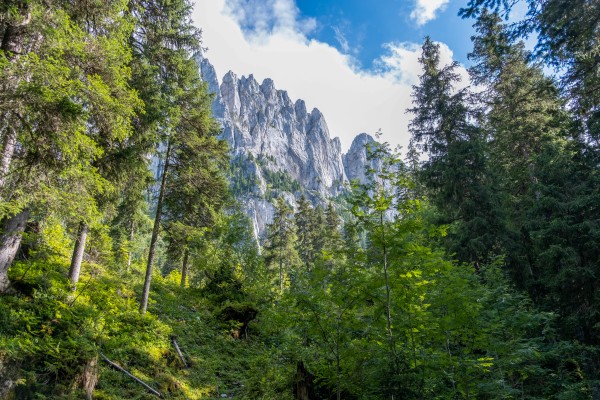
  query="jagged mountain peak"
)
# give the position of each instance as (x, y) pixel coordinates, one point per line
(362, 139)
(278, 148)
(356, 159)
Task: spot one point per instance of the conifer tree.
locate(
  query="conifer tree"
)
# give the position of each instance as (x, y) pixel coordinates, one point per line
(304, 220)
(196, 189)
(66, 110)
(454, 173)
(525, 119)
(177, 118)
(280, 251)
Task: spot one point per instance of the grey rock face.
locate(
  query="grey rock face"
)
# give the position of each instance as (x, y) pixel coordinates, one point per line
(261, 120)
(278, 148)
(356, 159)
(209, 75)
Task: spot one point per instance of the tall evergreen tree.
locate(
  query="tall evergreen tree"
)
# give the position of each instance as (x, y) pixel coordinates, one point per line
(525, 118)
(196, 189)
(66, 103)
(177, 116)
(280, 251)
(304, 220)
(454, 173)
(567, 39)
(537, 150)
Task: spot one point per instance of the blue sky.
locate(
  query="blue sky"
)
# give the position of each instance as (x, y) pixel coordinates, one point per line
(355, 60)
(363, 27)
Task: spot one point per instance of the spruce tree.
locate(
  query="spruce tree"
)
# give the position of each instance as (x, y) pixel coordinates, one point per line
(177, 119)
(280, 251)
(66, 104)
(525, 119)
(454, 173)
(304, 219)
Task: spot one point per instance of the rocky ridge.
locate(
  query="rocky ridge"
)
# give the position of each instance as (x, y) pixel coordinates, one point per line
(278, 147)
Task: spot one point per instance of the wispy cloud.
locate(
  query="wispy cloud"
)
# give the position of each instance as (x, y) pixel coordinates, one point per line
(400, 63)
(352, 100)
(260, 17)
(339, 36)
(426, 10)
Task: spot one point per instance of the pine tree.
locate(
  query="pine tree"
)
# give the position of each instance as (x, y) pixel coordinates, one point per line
(280, 250)
(196, 189)
(66, 111)
(454, 173)
(304, 220)
(332, 237)
(567, 39)
(177, 117)
(525, 119)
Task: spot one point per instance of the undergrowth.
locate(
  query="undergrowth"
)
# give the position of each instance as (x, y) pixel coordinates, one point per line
(51, 333)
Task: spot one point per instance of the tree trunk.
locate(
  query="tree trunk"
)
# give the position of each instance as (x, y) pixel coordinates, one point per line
(131, 233)
(184, 267)
(10, 142)
(388, 299)
(78, 255)
(10, 240)
(155, 230)
(14, 34)
(281, 274)
(88, 379)
(303, 382)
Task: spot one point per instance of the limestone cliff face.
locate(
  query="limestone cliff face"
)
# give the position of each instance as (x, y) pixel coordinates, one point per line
(260, 120)
(278, 147)
(356, 159)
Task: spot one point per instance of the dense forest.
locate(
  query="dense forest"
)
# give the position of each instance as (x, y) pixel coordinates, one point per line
(466, 268)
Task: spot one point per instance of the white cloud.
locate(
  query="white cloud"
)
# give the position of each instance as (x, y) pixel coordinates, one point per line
(277, 47)
(339, 36)
(425, 10)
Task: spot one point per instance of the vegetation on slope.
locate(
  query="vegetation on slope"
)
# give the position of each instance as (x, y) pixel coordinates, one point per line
(469, 273)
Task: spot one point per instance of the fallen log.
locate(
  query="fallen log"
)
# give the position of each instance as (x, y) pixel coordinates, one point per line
(179, 353)
(138, 380)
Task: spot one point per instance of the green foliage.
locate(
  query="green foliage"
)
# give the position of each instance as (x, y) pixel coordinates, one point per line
(51, 333)
(470, 273)
(526, 191)
(280, 180)
(242, 177)
(454, 173)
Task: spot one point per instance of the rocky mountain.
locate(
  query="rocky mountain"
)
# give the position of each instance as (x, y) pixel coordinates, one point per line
(355, 160)
(278, 147)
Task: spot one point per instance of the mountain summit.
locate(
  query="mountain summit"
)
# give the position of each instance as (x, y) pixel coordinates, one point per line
(278, 147)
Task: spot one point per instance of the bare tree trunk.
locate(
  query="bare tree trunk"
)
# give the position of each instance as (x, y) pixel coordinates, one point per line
(155, 230)
(179, 353)
(129, 374)
(131, 232)
(184, 267)
(10, 142)
(388, 301)
(302, 382)
(88, 379)
(78, 255)
(10, 240)
(281, 274)
(338, 369)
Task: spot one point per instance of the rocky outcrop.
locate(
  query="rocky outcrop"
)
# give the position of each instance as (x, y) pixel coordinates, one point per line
(9, 377)
(263, 121)
(278, 147)
(356, 160)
